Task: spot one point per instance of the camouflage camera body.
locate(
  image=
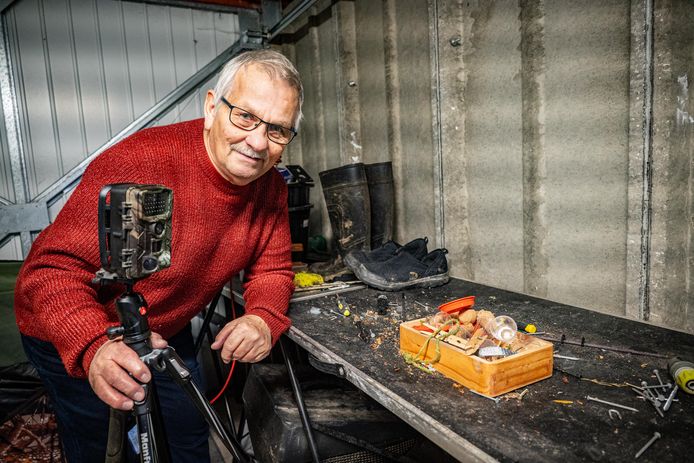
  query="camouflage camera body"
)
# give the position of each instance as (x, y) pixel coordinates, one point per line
(135, 229)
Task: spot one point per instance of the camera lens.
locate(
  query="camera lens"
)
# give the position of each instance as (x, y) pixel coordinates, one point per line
(158, 228)
(150, 263)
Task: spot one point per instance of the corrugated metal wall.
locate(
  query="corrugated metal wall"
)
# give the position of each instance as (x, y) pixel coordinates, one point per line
(84, 69)
(87, 68)
(519, 132)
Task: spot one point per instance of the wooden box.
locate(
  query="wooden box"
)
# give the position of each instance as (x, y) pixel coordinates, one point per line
(490, 377)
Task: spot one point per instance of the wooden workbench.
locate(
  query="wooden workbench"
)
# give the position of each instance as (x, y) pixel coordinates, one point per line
(531, 429)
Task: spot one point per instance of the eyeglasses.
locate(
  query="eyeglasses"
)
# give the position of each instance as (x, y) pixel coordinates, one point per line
(247, 121)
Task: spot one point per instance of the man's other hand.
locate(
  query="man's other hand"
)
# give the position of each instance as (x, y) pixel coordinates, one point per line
(111, 369)
(246, 339)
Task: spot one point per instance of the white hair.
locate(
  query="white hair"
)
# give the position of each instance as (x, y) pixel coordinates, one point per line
(272, 62)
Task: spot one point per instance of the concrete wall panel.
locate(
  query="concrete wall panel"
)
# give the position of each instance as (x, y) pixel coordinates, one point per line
(316, 51)
(362, 62)
(312, 154)
(671, 298)
(371, 81)
(540, 132)
(482, 164)
(414, 175)
(586, 143)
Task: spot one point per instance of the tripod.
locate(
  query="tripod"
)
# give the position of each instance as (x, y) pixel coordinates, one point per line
(151, 436)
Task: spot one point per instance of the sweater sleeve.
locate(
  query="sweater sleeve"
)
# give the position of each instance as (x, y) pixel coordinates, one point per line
(54, 297)
(269, 278)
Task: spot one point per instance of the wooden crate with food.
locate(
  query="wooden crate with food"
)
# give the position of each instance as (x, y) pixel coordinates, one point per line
(476, 348)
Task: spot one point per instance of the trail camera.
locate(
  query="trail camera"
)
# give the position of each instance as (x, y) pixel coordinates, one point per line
(134, 230)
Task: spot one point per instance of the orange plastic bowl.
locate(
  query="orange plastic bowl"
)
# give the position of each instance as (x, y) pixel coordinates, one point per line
(458, 305)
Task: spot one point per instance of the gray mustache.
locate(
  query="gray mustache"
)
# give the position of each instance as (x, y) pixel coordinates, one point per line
(250, 152)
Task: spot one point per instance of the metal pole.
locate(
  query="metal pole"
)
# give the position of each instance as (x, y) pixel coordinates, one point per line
(303, 413)
(10, 111)
(287, 20)
(439, 209)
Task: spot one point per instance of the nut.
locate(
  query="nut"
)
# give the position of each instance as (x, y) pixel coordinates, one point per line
(468, 316)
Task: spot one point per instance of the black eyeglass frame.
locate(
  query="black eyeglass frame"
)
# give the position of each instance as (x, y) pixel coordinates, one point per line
(260, 121)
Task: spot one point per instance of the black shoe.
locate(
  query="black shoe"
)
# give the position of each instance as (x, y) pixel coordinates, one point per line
(416, 247)
(406, 271)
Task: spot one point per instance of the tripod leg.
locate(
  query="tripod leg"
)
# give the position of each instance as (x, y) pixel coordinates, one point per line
(115, 452)
(151, 434)
(298, 396)
(206, 322)
(215, 356)
(150, 431)
(179, 372)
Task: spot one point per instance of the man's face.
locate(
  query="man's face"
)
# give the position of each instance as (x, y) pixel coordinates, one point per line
(242, 156)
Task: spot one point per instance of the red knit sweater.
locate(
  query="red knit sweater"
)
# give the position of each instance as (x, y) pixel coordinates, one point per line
(218, 229)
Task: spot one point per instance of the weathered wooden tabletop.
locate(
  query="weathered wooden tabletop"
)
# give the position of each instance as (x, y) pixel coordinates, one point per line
(533, 428)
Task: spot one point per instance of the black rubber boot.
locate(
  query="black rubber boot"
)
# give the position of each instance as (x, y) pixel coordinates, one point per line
(346, 195)
(380, 179)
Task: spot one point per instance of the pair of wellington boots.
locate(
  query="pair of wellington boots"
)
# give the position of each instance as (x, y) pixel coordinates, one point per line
(359, 199)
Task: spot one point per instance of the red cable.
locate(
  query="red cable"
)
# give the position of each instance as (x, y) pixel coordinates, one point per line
(233, 364)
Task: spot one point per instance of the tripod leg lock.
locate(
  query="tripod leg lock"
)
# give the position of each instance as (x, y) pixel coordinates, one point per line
(167, 360)
(144, 406)
(174, 365)
(153, 359)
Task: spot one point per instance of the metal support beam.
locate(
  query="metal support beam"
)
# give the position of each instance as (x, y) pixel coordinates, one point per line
(9, 109)
(271, 13)
(291, 17)
(439, 209)
(22, 218)
(239, 7)
(646, 214)
(5, 4)
(249, 21)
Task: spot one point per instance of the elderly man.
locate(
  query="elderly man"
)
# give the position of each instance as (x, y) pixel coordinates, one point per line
(230, 214)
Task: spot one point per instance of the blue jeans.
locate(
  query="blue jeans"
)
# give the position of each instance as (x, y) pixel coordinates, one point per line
(83, 418)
